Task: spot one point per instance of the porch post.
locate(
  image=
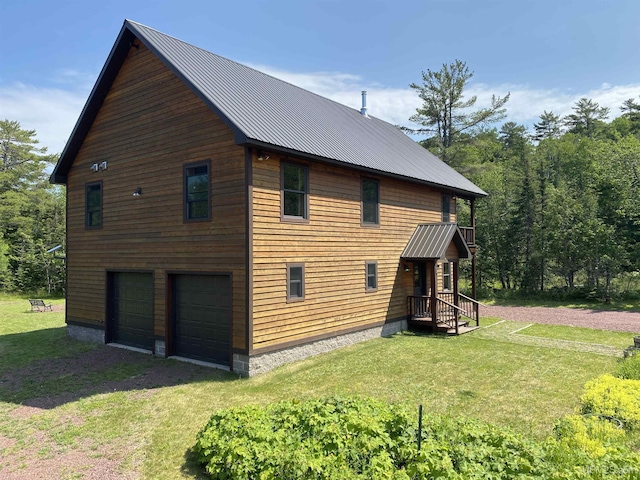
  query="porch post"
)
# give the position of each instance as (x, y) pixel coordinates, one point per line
(434, 290)
(456, 299)
(473, 253)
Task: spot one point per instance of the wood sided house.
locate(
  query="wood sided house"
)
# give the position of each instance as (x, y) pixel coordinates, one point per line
(219, 214)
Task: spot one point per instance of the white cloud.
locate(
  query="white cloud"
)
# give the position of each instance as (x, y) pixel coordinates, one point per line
(51, 112)
(396, 105)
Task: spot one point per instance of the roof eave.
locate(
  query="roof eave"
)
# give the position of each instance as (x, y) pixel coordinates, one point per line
(331, 161)
(128, 33)
(90, 110)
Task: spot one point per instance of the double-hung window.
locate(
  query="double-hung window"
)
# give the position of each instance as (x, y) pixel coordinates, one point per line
(93, 205)
(197, 204)
(372, 276)
(295, 282)
(446, 276)
(295, 192)
(370, 202)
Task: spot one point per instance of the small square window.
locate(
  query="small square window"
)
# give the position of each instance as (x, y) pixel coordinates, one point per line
(295, 192)
(295, 282)
(372, 276)
(93, 205)
(370, 202)
(196, 192)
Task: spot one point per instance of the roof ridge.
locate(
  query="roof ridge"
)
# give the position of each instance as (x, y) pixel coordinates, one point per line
(132, 22)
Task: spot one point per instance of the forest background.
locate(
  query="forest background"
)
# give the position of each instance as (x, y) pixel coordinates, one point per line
(561, 219)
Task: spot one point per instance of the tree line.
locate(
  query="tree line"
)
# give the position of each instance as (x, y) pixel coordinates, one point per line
(32, 215)
(563, 209)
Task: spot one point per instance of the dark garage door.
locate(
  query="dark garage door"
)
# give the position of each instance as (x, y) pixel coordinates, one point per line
(202, 317)
(132, 309)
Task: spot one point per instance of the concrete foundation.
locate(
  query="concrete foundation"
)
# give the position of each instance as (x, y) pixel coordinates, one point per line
(85, 334)
(159, 348)
(255, 365)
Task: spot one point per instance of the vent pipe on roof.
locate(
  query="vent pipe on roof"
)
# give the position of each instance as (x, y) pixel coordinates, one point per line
(363, 110)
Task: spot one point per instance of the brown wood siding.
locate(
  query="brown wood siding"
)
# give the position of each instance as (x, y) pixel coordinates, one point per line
(334, 248)
(452, 252)
(148, 128)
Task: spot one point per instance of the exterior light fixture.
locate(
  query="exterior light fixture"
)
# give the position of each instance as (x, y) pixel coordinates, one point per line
(137, 192)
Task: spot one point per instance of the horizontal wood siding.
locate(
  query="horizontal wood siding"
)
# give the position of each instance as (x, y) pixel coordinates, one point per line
(334, 248)
(148, 128)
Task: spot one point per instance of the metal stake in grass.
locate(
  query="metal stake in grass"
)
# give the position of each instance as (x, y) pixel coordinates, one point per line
(419, 426)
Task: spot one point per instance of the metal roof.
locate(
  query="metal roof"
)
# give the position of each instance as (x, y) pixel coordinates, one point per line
(431, 240)
(266, 112)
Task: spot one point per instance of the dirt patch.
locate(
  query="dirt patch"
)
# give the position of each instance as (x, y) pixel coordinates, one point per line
(30, 464)
(575, 317)
(91, 373)
(24, 411)
(48, 383)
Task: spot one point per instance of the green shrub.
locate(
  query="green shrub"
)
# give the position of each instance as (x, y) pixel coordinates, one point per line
(347, 438)
(332, 438)
(628, 368)
(613, 397)
(593, 435)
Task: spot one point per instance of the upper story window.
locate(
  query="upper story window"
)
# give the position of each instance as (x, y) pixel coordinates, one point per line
(295, 282)
(370, 202)
(372, 276)
(446, 208)
(93, 205)
(197, 205)
(295, 192)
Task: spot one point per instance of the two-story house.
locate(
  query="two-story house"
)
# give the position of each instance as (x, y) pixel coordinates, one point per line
(218, 214)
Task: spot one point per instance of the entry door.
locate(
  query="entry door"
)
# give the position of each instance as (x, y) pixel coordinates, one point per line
(419, 279)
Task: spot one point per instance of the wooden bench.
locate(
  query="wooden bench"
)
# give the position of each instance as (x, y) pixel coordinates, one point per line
(38, 305)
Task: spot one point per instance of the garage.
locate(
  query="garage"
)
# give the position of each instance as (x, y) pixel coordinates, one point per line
(131, 309)
(202, 317)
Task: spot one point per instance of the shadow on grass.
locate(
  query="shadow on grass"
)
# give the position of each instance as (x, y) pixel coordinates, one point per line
(46, 369)
(192, 467)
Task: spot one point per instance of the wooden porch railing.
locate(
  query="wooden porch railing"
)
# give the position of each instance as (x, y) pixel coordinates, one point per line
(469, 234)
(470, 307)
(446, 310)
(419, 307)
(448, 313)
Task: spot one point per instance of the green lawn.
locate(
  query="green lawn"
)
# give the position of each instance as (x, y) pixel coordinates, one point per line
(110, 408)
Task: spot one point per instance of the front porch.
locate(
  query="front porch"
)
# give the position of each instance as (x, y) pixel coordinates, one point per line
(445, 315)
(434, 252)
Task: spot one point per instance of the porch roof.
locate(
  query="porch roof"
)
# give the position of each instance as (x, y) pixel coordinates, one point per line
(431, 240)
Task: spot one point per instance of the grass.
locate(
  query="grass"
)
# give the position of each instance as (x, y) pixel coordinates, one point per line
(516, 301)
(620, 340)
(142, 413)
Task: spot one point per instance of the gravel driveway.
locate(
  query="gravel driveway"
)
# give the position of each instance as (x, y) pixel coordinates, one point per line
(576, 317)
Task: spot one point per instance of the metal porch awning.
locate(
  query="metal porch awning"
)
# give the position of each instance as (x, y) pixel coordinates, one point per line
(431, 240)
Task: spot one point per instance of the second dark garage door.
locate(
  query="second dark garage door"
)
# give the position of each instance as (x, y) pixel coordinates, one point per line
(202, 317)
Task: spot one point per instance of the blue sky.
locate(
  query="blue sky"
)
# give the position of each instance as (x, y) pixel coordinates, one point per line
(548, 54)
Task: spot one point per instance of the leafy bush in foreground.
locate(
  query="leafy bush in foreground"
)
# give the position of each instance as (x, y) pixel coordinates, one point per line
(347, 438)
(613, 397)
(593, 435)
